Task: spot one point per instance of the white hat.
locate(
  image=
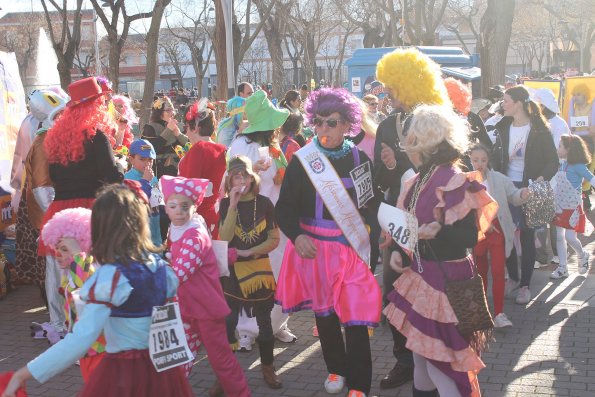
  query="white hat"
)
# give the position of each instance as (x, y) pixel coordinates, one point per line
(546, 97)
(43, 102)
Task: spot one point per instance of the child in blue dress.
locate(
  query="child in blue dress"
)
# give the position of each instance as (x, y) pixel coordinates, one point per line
(119, 298)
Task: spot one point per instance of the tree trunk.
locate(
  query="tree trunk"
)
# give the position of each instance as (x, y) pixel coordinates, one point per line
(152, 52)
(114, 63)
(64, 73)
(496, 27)
(220, 52)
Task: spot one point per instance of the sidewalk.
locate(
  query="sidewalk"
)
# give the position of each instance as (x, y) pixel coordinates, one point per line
(550, 351)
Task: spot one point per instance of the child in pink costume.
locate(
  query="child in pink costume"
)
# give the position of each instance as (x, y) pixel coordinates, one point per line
(202, 304)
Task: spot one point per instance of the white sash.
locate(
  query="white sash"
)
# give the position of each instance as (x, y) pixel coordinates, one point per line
(327, 183)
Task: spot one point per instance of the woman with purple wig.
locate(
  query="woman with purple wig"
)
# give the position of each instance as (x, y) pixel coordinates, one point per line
(327, 199)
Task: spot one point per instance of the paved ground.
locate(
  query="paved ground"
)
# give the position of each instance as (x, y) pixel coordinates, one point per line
(550, 351)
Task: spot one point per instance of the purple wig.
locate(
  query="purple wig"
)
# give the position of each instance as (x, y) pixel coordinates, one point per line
(325, 101)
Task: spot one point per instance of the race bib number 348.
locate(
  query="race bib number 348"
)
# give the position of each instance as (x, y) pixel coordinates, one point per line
(168, 347)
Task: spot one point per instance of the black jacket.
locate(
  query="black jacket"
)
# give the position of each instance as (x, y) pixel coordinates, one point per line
(541, 158)
(384, 178)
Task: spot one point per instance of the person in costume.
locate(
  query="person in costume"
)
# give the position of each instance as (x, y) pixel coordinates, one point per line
(289, 134)
(233, 124)
(451, 208)
(125, 118)
(524, 150)
(411, 78)
(372, 104)
(68, 233)
(460, 96)
(142, 155)
(570, 217)
(41, 104)
(581, 119)
(248, 224)
(324, 212)
(202, 304)
(260, 135)
(119, 297)
(79, 152)
(164, 134)
(37, 194)
(205, 159)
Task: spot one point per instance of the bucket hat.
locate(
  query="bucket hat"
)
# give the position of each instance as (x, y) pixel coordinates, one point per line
(262, 115)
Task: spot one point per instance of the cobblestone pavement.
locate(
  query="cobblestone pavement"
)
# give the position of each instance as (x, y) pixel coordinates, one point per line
(550, 351)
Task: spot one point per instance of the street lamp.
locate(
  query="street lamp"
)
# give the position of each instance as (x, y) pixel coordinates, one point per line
(227, 6)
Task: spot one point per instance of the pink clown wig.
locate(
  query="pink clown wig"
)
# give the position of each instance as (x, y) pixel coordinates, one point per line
(72, 223)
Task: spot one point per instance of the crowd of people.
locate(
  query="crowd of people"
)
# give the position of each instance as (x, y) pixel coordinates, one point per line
(227, 227)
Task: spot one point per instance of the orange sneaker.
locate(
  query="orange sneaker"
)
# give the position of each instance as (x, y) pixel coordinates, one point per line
(334, 384)
(356, 393)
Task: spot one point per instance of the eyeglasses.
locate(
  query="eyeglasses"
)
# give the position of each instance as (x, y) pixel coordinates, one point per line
(373, 104)
(331, 123)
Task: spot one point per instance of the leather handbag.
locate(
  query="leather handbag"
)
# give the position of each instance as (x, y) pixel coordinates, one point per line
(468, 300)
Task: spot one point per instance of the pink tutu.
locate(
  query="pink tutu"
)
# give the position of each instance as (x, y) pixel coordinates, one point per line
(337, 280)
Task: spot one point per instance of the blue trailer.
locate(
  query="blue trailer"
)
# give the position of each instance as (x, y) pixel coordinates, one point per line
(361, 68)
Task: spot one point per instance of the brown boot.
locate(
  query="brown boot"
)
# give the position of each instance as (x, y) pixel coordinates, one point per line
(270, 377)
(216, 390)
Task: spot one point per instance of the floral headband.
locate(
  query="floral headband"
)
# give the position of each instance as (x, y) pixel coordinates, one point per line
(199, 110)
(159, 103)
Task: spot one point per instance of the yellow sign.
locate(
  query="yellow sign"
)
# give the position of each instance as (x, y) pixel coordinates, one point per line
(584, 84)
(555, 86)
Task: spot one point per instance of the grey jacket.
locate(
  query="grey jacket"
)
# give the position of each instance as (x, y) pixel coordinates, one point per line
(501, 188)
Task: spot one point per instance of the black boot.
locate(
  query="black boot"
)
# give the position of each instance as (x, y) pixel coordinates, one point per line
(397, 376)
(419, 393)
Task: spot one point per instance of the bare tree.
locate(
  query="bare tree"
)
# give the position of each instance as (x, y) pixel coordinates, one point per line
(117, 39)
(253, 66)
(495, 30)
(152, 43)
(23, 41)
(379, 21)
(463, 17)
(192, 29)
(65, 36)
(83, 63)
(422, 18)
(577, 20)
(334, 51)
(173, 51)
(294, 51)
(311, 23)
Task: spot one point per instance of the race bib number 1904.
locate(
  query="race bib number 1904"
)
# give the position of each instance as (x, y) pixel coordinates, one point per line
(168, 347)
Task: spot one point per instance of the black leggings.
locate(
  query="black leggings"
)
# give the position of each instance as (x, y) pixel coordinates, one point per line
(354, 361)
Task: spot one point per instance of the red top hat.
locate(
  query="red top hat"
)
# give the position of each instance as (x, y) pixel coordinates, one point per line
(84, 90)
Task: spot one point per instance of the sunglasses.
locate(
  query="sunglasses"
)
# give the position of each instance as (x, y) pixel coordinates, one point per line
(331, 123)
(373, 103)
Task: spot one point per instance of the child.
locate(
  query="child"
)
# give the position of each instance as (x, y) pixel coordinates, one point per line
(202, 304)
(570, 218)
(119, 299)
(68, 233)
(142, 156)
(248, 223)
(499, 239)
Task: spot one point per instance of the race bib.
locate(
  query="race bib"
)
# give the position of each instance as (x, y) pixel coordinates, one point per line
(579, 122)
(168, 347)
(362, 182)
(401, 225)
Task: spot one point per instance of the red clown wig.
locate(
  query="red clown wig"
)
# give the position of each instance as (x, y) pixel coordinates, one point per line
(459, 95)
(64, 142)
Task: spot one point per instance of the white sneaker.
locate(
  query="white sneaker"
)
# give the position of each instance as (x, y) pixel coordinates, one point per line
(245, 343)
(284, 335)
(555, 260)
(501, 321)
(539, 265)
(510, 286)
(524, 296)
(583, 263)
(334, 384)
(560, 272)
